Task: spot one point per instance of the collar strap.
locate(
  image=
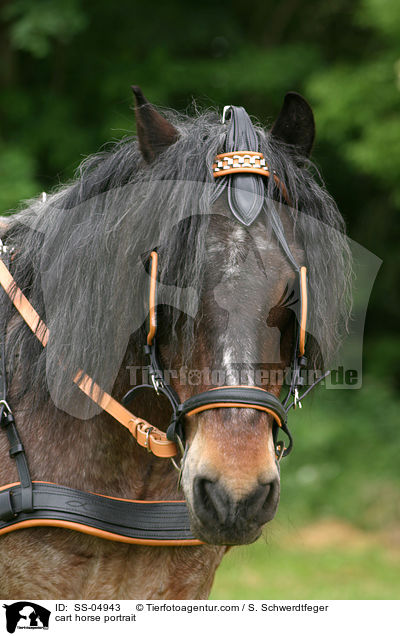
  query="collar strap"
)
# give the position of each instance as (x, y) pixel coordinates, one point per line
(163, 523)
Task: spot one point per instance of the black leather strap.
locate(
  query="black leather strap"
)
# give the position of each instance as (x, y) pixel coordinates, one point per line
(279, 231)
(251, 396)
(7, 421)
(245, 191)
(161, 521)
(157, 378)
(248, 396)
(4, 304)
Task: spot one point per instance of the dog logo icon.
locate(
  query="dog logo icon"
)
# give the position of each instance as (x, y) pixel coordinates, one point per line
(26, 615)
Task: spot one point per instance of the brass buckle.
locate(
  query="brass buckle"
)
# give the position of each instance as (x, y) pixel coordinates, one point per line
(147, 440)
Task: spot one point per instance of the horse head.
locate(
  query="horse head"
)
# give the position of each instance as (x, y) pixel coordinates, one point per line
(243, 335)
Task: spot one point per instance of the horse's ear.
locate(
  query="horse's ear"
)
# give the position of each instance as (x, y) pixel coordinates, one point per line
(154, 132)
(295, 123)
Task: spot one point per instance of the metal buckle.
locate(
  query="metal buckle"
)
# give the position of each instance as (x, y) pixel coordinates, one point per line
(155, 382)
(6, 415)
(296, 400)
(279, 450)
(6, 405)
(5, 249)
(147, 440)
(179, 467)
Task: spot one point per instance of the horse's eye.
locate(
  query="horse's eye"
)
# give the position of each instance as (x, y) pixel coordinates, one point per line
(283, 310)
(279, 316)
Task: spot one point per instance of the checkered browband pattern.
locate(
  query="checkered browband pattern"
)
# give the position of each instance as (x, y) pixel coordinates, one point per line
(240, 161)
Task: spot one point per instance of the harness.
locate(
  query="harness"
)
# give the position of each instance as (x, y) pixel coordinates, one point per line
(28, 503)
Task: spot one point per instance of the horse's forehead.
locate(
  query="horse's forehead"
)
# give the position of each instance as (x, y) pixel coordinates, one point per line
(249, 258)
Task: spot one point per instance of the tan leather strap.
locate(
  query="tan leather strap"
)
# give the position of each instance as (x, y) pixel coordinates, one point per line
(240, 161)
(246, 161)
(152, 298)
(233, 404)
(146, 435)
(28, 313)
(228, 405)
(102, 534)
(303, 317)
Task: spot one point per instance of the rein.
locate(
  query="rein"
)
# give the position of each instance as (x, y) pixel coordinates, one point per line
(30, 503)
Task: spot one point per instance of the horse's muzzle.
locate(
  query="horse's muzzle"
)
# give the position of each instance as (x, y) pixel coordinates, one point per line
(221, 519)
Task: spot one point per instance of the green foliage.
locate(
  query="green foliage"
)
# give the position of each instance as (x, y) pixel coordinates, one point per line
(382, 15)
(345, 463)
(18, 176)
(35, 26)
(356, 107)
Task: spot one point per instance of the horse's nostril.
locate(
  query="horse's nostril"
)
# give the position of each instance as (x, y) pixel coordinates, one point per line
(211, 501)
(256, 501)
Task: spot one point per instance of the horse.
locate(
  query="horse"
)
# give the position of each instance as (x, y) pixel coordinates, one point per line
(151, 212)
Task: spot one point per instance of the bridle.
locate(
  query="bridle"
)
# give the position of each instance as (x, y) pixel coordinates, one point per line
(242, 396)
(28, 503)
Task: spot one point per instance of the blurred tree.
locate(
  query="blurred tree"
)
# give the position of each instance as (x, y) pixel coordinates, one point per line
(357, 107)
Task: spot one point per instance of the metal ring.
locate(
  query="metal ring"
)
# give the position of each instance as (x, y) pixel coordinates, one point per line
(226, 108)
(279, 450)
(175, 465)
(5, 403)
(155, 382)
(179, 467)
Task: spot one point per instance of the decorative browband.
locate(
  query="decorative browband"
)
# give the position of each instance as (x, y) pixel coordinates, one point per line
(246, 161)
(240, 161)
